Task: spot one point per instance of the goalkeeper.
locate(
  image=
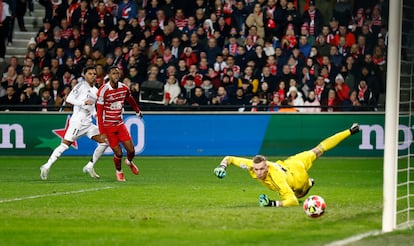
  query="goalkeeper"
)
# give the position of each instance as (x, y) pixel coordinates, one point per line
(288, 177)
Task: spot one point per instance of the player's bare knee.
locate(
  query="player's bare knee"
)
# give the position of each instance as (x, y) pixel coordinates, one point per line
(317, 151)
(68, 143)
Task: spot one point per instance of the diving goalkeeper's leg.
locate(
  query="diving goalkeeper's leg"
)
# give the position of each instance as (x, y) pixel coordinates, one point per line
(334, 140)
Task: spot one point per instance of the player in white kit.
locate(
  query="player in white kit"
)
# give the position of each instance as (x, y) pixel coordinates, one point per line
(83, 97)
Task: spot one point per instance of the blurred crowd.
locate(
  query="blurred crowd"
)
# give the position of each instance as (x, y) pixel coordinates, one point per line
(244, 55)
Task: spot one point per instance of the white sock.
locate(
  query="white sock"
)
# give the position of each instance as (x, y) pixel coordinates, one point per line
(99, 150)
(56, 154)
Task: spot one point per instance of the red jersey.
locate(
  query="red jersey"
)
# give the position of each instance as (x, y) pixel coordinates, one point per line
(110, 104)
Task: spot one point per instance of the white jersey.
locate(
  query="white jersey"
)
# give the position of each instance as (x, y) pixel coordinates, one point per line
(82, 113)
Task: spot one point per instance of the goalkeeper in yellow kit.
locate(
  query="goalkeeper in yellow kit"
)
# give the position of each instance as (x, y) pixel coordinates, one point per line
(288, 177)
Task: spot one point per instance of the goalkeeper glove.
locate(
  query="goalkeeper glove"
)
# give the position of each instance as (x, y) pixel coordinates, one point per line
(220, 171)
(139, 115)
(264, 200)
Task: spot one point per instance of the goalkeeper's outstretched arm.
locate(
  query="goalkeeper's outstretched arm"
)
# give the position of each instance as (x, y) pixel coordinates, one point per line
(220, 170)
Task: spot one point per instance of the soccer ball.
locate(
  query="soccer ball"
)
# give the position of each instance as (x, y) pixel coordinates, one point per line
(314, 206)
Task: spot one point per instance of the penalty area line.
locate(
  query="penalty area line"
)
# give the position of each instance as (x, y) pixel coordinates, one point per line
(353, 238)
(54, 194)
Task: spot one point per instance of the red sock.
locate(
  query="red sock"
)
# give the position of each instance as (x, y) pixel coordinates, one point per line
(117, 162)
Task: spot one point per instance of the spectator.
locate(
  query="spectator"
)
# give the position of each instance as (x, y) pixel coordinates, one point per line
(189, 56)
(21, 6)
(60, 101)
(169, 9)
(255, 104)
(341, 88)
(352, 104)
(332, 70)
(65, 29)
(19, 84)
(7, 20)
(230, 61)
(365, 96)
(171, 90)
(322, 46)
(265, 93)
(281, 91)
(30, 99)
(304, 31)
(342, 12)
(275, 103)
(81, 17)
(176, 47)
(331, 103)
(221, 26)
(203, 5)
(321, 92)
(38, 85)
(376, 20)
(188, 87)
(268, 77)
(372, 81)
(221, 98)
(286, 74)
(133, 75)
(9, 100)
(219, 65)
(335, 58)
(72, 6)
(307, 81)
(272, 17)
(203, 66)
(102, 19)
(208, 88)
(295, 98)
(42, 59)
(196, 77)
(47, 104)
(14, 62)
(240, 100)
(311, 104)
(304, 46)
(212, 51)
(198, 99)
(200, 20)
(127, 9)
(348, 35)
(128, 43)
(55, 10)
(289, 38)
(313, 17)
(182, 69)
(238, 16)
(9, 77)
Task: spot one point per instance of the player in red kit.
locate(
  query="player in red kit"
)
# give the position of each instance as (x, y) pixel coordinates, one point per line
(109, 106)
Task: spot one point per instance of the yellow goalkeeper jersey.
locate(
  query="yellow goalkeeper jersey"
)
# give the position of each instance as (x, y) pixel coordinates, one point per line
(289, 177)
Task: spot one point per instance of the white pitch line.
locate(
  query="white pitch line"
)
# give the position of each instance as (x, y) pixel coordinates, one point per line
(54, 194)
(353, 238)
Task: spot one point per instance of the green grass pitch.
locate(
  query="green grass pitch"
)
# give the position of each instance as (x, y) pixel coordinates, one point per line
(178, 201)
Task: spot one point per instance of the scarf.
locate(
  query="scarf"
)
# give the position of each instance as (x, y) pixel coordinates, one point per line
(361, 93)
(312, 23)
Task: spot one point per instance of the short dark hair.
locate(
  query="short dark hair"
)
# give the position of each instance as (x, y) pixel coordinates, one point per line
(258, 158)
(87, 68)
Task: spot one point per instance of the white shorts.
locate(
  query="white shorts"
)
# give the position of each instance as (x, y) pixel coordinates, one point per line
(77, 130)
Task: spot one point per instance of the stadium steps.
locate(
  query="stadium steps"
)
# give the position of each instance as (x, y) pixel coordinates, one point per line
(21, 39)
